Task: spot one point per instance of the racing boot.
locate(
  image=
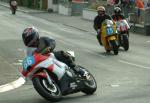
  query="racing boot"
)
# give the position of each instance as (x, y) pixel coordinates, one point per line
(83, 73)
(99, 40)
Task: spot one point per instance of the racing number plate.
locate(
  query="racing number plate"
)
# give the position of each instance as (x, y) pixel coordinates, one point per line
(109, 31)
(28, 62)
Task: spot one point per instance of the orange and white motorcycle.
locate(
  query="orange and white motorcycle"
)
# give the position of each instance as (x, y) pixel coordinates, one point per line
(123, 33)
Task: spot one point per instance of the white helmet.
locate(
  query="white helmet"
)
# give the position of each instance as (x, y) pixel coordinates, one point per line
(101, 8)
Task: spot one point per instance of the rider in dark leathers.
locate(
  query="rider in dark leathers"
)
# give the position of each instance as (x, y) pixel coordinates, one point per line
(117, 14)
(98, 21)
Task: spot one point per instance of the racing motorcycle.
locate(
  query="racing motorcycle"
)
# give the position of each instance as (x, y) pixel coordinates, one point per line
(13, 6)
(53, 79)
(109, 36)
(123, 33)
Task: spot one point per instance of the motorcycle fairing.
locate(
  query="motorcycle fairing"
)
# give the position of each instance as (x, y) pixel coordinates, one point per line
(108, 28)
(48, 62)
(111, 38)
(70, 85)
(109, 31)
(30, 62)
(122, 25)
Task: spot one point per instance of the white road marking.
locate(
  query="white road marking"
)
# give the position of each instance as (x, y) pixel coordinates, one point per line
(114, 85)
(13, 85)
(20, 61)
(19, 49)
(133, 64)
(17, 63)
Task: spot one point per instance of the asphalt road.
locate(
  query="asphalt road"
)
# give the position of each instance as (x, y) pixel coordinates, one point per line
(121, 79)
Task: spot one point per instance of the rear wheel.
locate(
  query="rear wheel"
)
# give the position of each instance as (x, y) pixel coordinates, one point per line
(50, 92)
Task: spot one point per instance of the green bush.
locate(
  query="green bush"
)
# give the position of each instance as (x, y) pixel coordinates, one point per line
(93, 6)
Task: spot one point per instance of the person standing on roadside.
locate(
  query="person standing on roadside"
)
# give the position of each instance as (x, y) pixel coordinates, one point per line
(13, 6)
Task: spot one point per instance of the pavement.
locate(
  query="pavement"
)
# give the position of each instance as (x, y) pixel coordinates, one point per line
(72, 21)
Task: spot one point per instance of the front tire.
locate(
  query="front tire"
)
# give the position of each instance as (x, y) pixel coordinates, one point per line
(125, 42)
(114, 46)
(49, 92)
(90, 84)
(107, 51)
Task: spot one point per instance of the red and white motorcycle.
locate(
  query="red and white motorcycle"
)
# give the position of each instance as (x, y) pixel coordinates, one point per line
(123, 33)
(53, 79)
(13, 6)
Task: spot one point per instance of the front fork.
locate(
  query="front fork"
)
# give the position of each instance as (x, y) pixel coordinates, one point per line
(48, 77)
(43, 74)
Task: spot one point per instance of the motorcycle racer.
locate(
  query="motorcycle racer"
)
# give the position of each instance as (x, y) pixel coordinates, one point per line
(98, 21)
(44, 45)
(117, 14)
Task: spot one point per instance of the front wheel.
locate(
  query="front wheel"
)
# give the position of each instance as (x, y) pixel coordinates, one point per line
(114, 46)
(125, 42)
(90, 84)
(50, 92)
(108, 51)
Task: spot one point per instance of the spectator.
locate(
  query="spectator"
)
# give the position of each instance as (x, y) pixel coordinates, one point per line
(139, 4)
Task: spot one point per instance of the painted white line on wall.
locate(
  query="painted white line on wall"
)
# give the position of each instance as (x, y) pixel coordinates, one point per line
(12, 85)
(133, 64)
